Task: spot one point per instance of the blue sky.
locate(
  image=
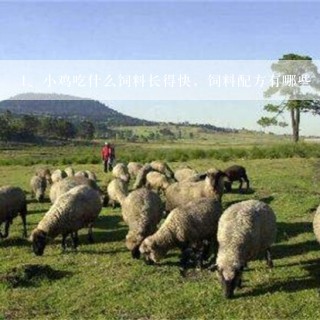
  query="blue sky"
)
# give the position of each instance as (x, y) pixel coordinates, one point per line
(165, 30)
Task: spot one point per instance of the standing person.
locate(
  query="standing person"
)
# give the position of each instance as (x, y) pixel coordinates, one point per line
(105, 154)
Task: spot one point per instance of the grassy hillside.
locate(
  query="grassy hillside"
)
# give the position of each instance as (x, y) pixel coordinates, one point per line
(102, 281)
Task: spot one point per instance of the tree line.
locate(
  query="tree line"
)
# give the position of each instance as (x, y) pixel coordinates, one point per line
(30, 128)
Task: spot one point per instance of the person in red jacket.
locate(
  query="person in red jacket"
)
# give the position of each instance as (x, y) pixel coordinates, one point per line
(105, 154)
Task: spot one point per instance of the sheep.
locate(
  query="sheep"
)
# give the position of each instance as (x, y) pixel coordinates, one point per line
(91, 175)
(316, 224)
(162, 167)
(38, 186)
(235, 173)
(45, 173)
(69, 171)
(133, 169)
(120, 171)
(180, 193)
(245, 229)
(141, 178)
(157, 181)
(12, 202)
(58, 175)
(187, 226)
(81, 174)
(184, 174)
(75, 209)
(117, 191)
(142, 210)
(67, 184)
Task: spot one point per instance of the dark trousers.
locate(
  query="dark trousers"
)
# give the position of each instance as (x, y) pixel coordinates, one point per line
(107, 165)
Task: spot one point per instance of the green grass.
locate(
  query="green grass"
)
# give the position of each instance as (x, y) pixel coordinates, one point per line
(101, 281)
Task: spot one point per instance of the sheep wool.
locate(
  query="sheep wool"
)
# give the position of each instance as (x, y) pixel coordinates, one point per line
(117, 191)
(120, 171)
(38, 186)
(133, 169)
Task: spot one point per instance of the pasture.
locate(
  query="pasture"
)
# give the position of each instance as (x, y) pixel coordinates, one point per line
(102, 281)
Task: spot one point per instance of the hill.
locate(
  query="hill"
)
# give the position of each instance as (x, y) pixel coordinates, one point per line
(69, 107)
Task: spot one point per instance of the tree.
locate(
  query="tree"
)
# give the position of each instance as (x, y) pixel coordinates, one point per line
(86, 130)
(295, 76)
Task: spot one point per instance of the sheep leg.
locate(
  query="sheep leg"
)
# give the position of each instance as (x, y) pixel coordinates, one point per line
(90, 234)
(240, 185)
(75, 240)
(269, 259)
(185, 257)
(6, 229)
(63, 242)
(24, 221)
(245, 177)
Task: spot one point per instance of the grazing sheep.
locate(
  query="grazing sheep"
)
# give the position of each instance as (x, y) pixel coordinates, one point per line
(180, 193)
(245, 229)
(12, 202)
(67, 184)
(75, 209)
(81, 174)
(38, 187)
(58, 175)
(184, 174)
(117, 191)
(142, 176)
(120, 171)
(45, 173)
(162, 167)
(316, 224)
(91, 175)
(187, 226)
(69, 171)
(133, 169)
(235, 173)
(142, 211)
(157, 181)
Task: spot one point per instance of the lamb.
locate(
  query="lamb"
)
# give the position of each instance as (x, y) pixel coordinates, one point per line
(12, 202)
(236, 173)
(45, 173)
(120, 171)
(142, 176)
(69, 171)
(245, 229)
(117, 191)
(38, 187)
(316, 224)
(157, 181)
(142, 210)
(133, 169)
(184, 174)
(58, 175)
(76, 209)
(67, 184)
(162, 167)
(187, 226)
(180, 193)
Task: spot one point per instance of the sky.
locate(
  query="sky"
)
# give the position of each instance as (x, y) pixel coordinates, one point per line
(162, 30)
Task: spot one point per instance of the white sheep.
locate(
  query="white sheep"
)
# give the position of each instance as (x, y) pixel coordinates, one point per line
(58, 175)
(187, 226)
(133, 169)
(180, 193)
(75, 209)
(38, 186)
(157, 181)
(316, 224)
(184, 174)
(245, 229)
(69, 171)
(117, 191)
(120, 171)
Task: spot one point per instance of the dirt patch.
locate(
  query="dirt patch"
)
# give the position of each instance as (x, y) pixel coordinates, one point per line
(31, 275)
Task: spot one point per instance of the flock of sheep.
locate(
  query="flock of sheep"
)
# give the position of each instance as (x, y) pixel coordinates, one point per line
(188, 201)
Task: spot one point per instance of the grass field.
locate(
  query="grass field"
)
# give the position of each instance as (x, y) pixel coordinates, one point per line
(101, 281)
